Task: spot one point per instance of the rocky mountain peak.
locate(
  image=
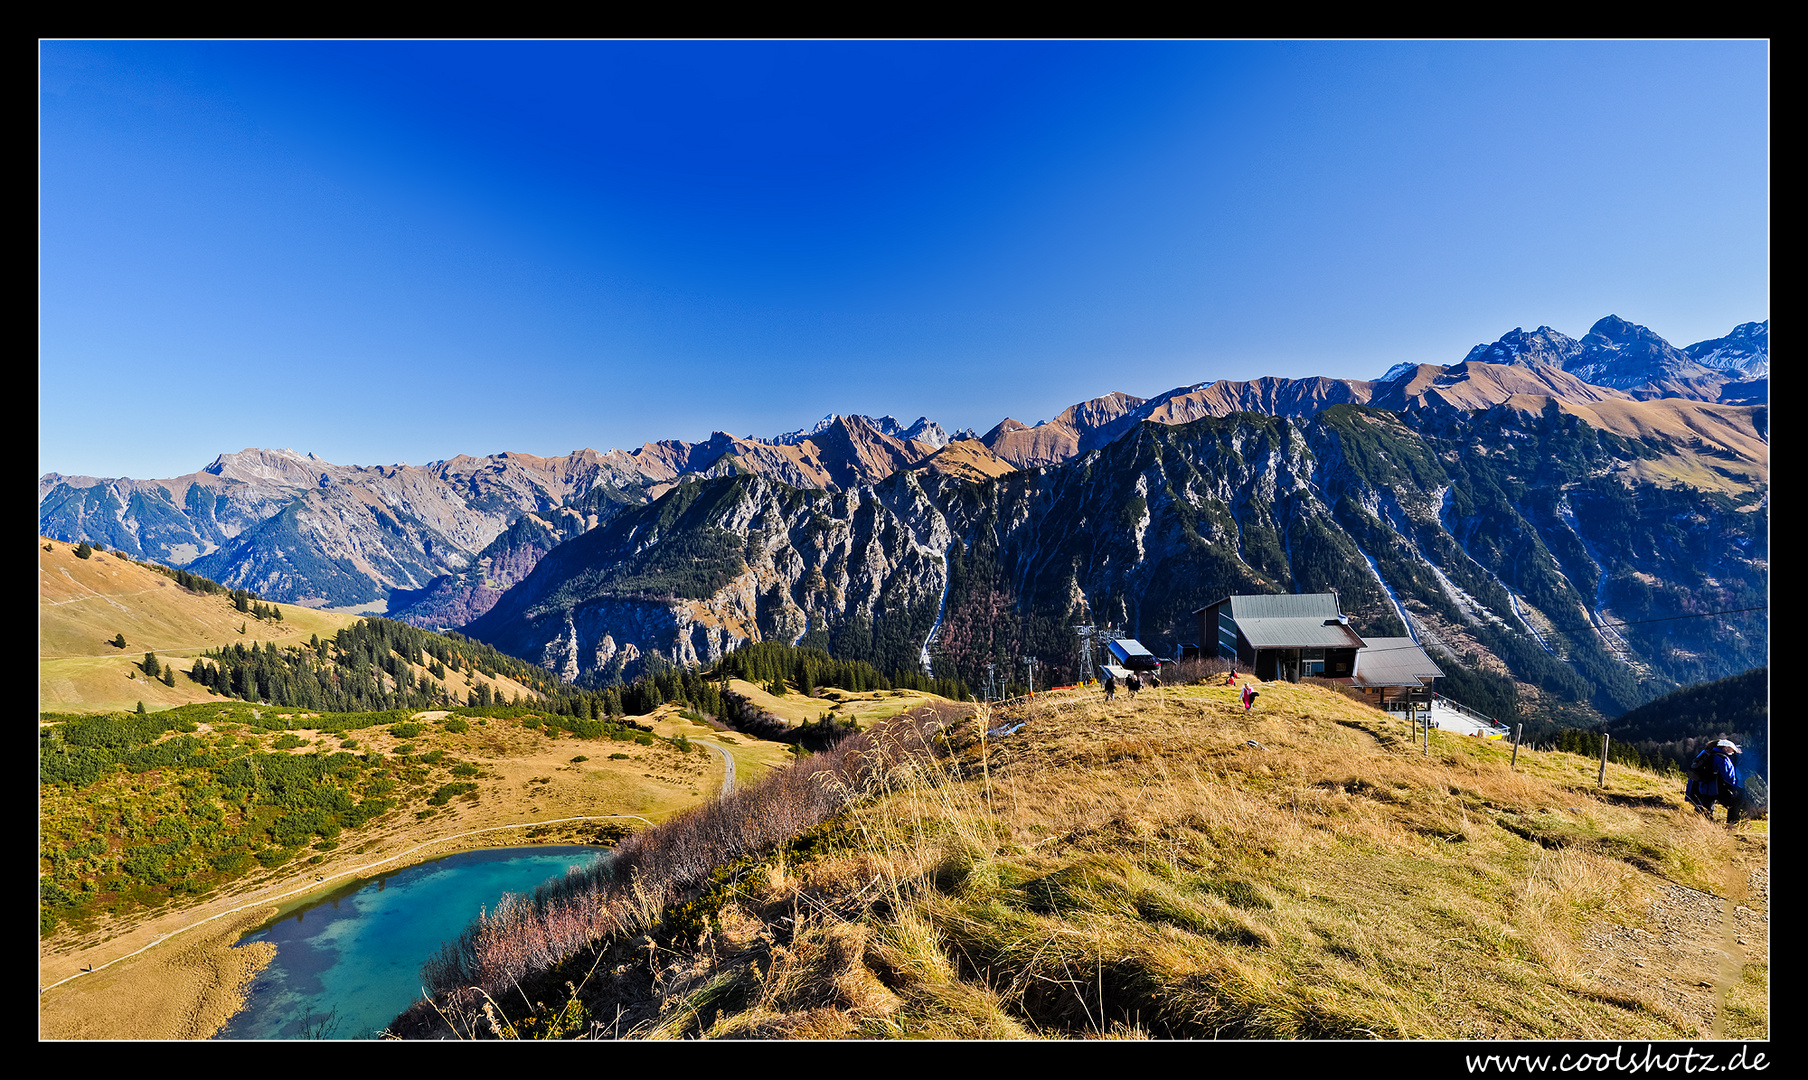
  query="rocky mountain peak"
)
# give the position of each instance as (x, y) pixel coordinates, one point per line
(1615, 332)
(924, 430)
(1746, 351)
(1003, 427)
(282, 467)
(1541, 346)
(1624, 355)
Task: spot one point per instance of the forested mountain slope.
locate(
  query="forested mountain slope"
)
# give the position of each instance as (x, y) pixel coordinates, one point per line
(1509, 541)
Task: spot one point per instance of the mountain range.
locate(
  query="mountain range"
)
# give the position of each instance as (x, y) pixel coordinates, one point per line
(1507, 509)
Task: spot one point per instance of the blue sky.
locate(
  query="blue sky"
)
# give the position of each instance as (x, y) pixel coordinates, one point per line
(384, 252)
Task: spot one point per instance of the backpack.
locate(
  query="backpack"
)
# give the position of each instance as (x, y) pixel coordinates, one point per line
(1702, 770)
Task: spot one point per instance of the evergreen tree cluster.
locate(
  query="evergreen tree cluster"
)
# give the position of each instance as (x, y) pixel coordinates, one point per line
(246, 601)
(372, 666)
(192, 582)
(1588, 745)
(767, 663)
(1676, 726)
(1667, 734)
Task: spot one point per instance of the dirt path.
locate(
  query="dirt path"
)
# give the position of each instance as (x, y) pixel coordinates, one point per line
(727, 765)
(186, 990)
(1708, 956)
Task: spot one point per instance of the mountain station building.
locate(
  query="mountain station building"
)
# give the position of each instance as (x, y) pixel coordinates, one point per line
(1395, 673)
(1289, 636)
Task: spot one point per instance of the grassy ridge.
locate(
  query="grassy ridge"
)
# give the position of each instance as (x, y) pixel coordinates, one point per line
(1168, 867)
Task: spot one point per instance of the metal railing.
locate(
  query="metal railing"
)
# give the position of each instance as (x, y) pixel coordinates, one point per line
(1459, 707)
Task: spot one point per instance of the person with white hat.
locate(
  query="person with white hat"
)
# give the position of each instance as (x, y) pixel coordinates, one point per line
(1713, 779)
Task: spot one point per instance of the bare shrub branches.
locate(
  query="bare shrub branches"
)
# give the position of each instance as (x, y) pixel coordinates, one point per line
(626, 891)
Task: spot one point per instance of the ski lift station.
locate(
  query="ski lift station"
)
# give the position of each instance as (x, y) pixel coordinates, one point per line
(1129, 654)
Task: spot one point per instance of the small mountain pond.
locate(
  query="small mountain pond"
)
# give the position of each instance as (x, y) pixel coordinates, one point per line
(348, 962)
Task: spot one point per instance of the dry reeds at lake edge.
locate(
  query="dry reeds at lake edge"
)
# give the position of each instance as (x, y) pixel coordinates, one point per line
(626, 891)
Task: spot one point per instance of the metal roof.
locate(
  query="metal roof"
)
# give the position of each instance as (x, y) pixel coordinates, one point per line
(1393, 661)
(1311, 633)
(1284, 606)
(1127, 648)
(1289, 621)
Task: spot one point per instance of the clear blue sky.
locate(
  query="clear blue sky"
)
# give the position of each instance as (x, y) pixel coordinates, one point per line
(384, 252)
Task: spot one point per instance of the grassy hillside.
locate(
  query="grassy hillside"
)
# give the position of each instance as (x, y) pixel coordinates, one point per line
(84, 605)
(1166, 867)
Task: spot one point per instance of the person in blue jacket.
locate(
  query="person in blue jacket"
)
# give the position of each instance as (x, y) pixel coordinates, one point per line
(1713, 779)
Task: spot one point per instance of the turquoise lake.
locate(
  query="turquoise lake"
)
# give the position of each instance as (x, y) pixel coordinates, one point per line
(347, 963)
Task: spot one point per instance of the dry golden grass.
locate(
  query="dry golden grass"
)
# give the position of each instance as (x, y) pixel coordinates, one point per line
(84, 603)
(1174, 867)
(753, 757)
(865, 708)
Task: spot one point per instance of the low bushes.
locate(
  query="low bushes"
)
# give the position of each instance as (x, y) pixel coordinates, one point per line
(653, 868)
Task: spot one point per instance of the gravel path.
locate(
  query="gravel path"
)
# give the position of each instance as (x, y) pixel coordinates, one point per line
(1692, 950)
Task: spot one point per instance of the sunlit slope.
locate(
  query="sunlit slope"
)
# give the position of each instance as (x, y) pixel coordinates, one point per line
(1177, 866)
(85, 605)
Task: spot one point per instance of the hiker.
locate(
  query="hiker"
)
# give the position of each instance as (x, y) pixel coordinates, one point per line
(1249, 697)
(1133, 684)
(1110, 686)
(1713, 779)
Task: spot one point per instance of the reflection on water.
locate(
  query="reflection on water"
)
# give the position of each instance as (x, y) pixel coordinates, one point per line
(348, 963)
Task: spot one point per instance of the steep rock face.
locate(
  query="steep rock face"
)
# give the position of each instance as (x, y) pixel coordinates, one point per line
(1508, 541)
(1268, 396)
(1089, 423)
(924, 430)
(718, 562)
(452, 600)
